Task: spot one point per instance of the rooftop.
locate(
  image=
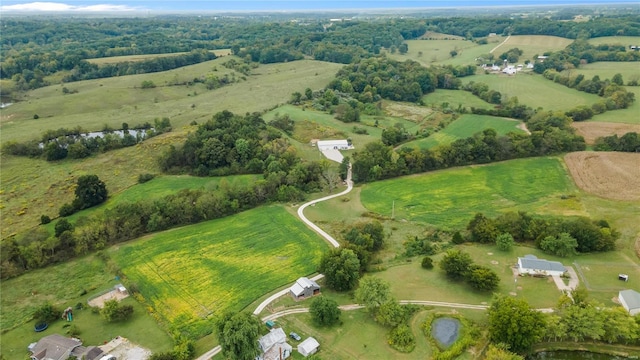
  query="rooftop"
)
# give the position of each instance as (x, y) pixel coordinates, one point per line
(532, 262)
(631, 297)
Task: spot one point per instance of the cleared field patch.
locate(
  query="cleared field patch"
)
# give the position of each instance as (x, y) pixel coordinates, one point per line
(191, 273)
(455, 98)
(630, 115)
(136, 58)
(599, 273)
(535, 91)
(468, 125)
(406, 111)
(607, 69)
(450, 198)
(429, 52)
(532, 45)
(116, 100)
(591, 130)
(612, 175)
(622, 40)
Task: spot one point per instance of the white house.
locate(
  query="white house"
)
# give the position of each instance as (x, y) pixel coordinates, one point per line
(630, 300)
(308, 347)
(274, 345)
(304, 288)
(529, 264)
(333, 145)
(509, 70)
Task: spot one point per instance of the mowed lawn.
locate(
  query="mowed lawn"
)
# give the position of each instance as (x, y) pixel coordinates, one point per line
(622, 40)
(630, 115)
(193, 272)
(466, 126)
(607, 69)
(532, 45)
(450, 198)
(535, 91)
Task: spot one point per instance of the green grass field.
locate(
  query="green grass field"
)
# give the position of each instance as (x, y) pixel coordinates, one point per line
(136, 58)
(193, 272)
(607, 69)
(450, 198)
(465, 126)
(630, 115)
(532, 45)
(116, 100)
(429, 52)
(455, 98)
(623, 40)
(535, 91)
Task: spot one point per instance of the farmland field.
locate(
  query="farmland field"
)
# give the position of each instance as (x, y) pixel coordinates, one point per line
(193, 272)
(450, 198)
(535, 91)
(607, 69)
(136, 58)
(630, 115)
(612, 175)
(455, 98)
(116, 100)
(465, 126)
(429, 52)
(532, 45)
(591, 130)
(623, 40)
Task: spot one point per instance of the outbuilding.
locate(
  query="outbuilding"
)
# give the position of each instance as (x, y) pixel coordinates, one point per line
(308, 347)
(333, 145)
(630, 300)
(274, 346)
(304, 288)
(530, 264)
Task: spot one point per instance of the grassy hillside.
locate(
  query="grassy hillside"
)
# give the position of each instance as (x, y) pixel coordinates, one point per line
(450, 198)
(535, 91)
(455, 98)
(429, 52)
(113, 101)
(630, 115)
(623, 40)
(607, 69)
(136, 58)
(465, 126)
(193, 272)
(532, 45)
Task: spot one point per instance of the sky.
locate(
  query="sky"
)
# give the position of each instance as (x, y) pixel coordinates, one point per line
(265, 5)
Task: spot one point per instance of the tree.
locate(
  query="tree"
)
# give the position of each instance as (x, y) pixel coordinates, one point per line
(341, 269)
(483, 229)
(563, 245)
(402, 339)
(456, 264)
(427, 263)
(617, 79)
(61, 226)
(324, 311)
(238, 335)
(392, 314)
(483, 278)
(457, 238)
(501, 352)
(46, 313)
(89, 192)
(372, 293)
(505, 242)
(513, 322)
(308, 93)
(113, 311)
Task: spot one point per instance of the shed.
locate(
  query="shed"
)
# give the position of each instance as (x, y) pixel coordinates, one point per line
(53, 347)
(630, 300)
(304, 288)
(529, 264)
(308, 347)
(274, 345)
(333, 145)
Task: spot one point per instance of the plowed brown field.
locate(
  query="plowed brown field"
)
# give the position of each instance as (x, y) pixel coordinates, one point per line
(611, 175)
(593, 130)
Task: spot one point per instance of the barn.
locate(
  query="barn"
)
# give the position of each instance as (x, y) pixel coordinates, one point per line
(304, 288)
(630, 300)
(333, 145)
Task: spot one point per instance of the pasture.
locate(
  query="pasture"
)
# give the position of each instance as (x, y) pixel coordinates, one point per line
(607, 69)
(532, 45)
(466, 126)
(622, 40)
(135, 58)
(450, 198)
(630, 115)
(535, 91)
(599, 273)
(429, 52)
(116, 100)
(454, 99)
(194, 272)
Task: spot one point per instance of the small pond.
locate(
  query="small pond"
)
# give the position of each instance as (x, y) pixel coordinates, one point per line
(571, 355)
(445, 330)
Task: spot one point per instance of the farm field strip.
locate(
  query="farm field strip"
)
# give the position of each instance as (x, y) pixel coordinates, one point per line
(195, 271)
(532, 45)
(466, 126)
(450, 198)
(535, 91)
(136, 58)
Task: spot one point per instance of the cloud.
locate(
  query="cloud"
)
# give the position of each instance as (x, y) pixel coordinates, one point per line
(53, 6)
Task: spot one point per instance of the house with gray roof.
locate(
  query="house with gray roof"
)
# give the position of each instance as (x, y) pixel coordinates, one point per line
(530, 264)
(630, 300)
(274, 346)
(58, 347)
(308, 347)
(304, 288)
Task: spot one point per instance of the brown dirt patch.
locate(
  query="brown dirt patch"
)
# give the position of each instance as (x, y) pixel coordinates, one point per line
(111, 295)
(407, 111)
(611, 175)
(593, 130)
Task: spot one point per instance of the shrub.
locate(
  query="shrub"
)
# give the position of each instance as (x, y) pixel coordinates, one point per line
(143, 178)
(46, 313)
(44, 219)
(113, 311)
(66, 210)
(427, 263)
(401, 338)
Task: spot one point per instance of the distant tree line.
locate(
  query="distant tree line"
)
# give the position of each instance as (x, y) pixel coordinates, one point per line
(70, 143)
(551, 133)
